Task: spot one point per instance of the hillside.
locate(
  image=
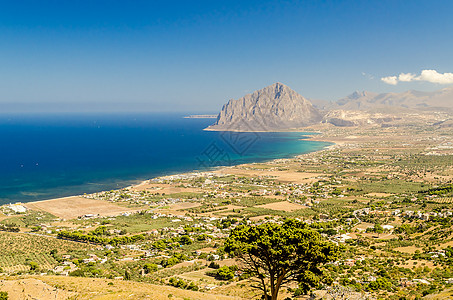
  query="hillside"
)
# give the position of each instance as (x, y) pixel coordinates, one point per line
(62, 287)
(383, 193)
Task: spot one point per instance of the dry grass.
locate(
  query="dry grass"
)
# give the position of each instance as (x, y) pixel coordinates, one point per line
(184, 205)
(260, 218)
(3, 217)
(446, 294)
(363, 226)
(284, 176)
(95, 288)
(445, 245)
(418, 263)
(61, 287)
(73, 207)
(160, 188)
(31, 288)
(408, 249)
(283, 206)
(379, 195)
(199, 277)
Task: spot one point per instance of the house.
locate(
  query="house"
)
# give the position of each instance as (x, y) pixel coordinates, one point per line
(388, 227)
(422, 281)
(153, 232)
(342, 238)
(406, 283)
(17, 208)
(349, 262)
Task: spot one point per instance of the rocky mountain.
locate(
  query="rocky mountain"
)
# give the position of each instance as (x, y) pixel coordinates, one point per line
(276, 107)
(367, 101)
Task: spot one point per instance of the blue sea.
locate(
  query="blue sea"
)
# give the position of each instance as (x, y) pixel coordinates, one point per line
(49, 156)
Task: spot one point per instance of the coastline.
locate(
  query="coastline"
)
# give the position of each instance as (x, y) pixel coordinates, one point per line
(259, 131)
(69, 206)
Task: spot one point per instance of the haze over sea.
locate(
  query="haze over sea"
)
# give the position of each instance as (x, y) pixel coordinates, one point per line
(50, 156)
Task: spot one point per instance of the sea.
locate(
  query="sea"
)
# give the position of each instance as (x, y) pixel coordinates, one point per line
(48, 156)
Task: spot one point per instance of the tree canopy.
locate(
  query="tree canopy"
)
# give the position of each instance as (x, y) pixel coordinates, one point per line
(276, 254)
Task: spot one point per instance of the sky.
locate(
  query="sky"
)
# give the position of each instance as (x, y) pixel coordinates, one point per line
(195, 55)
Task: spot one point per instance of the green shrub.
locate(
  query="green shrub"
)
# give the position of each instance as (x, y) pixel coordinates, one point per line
(223, 273)
(149, 268)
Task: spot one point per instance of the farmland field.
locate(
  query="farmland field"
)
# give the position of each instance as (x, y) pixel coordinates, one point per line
(19, 248)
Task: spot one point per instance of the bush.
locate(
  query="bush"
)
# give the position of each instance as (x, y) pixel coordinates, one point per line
(380, 284)
(185, 240)
(3, 296)
(223, 273)
(192, 286)
(127, 275)
(171, 262)
(33, 266)
(179, 283)
(77, 273)
(77, 236)
(201, 237)
(376, 229)
(150, 268)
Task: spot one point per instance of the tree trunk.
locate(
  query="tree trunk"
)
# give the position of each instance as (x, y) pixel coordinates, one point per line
(277, 287)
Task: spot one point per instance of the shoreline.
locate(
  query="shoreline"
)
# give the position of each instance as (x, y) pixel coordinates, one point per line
(34, 205)
(261, 131)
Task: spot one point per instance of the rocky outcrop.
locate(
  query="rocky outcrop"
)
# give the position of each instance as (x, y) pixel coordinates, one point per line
(274, 108)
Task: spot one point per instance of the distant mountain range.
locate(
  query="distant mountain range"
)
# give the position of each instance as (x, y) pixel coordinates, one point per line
(407, 100)
(278, 107)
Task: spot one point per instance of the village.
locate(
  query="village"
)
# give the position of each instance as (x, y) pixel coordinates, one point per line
(389, 202)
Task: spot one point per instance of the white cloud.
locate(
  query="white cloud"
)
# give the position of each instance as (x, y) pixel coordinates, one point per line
(426, 75)
(435, 77)
(390, 80)
(406, 77)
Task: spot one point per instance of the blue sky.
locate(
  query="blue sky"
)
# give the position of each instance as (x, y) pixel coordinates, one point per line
(195, 55)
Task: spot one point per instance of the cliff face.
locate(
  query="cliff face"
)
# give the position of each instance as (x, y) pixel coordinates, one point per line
(276, 107)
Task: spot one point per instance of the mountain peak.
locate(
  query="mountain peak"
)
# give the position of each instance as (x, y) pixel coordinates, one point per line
(358, 94)
(278, 84)
(275, 107)
(277, 87)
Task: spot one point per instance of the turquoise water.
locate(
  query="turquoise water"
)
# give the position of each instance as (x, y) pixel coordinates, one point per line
(48, 156)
